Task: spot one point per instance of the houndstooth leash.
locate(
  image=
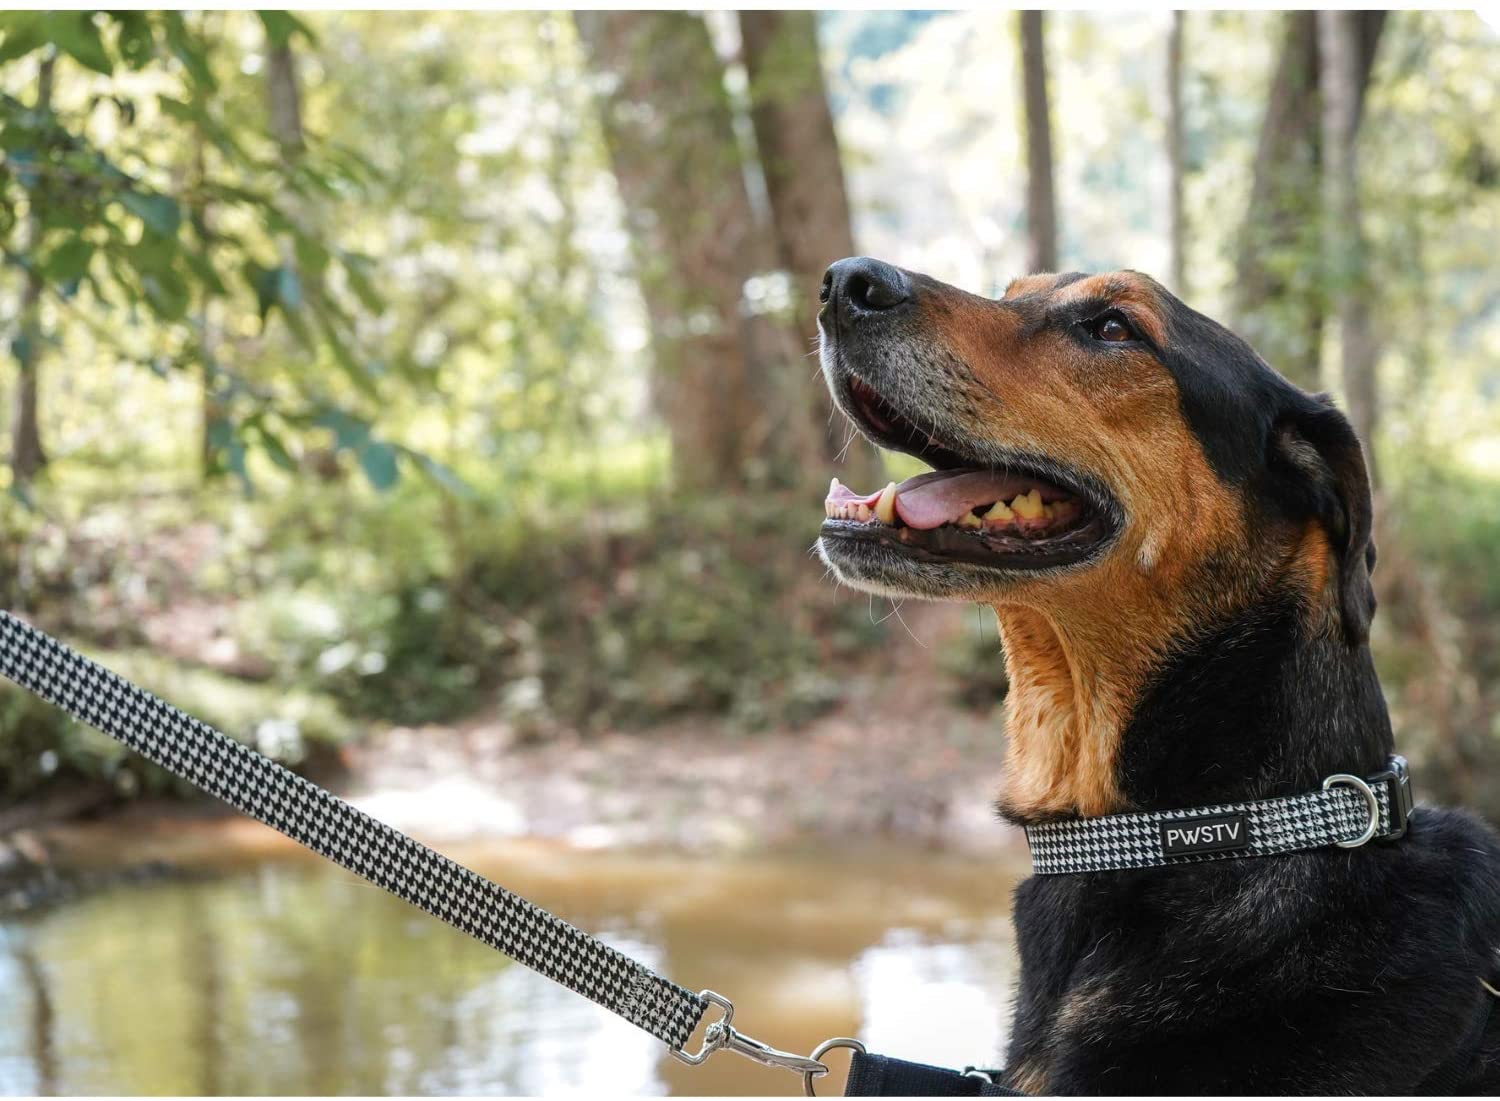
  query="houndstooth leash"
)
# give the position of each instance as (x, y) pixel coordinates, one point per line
(1349, 811)
(330, 827)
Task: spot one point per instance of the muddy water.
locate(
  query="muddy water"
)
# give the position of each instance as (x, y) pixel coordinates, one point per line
(277, 973)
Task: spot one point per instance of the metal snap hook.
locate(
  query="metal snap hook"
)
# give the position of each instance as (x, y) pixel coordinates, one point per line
(722, 1035)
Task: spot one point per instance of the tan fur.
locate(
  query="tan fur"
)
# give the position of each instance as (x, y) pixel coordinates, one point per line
(1079, 647)
(1030, 284)
(1028, 1077)
(1311, 572)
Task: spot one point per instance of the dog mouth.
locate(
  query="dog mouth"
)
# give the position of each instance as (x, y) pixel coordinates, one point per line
(1030, 513)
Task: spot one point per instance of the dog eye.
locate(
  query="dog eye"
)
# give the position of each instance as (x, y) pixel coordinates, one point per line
(1111, 327)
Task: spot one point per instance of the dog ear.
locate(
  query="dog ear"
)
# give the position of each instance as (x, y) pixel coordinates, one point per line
(1323, 466)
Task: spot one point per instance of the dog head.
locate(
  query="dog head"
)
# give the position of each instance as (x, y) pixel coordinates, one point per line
(1086, 433)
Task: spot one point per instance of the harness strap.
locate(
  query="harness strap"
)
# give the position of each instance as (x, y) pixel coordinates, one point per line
(882, 1076)
(331, 827)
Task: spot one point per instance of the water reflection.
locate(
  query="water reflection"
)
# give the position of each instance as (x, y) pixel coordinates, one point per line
(290, 976)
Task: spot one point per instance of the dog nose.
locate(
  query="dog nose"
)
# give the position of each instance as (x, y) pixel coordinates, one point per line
(861, 286)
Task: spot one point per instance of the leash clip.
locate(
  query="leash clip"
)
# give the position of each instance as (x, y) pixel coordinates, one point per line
(721, 1034)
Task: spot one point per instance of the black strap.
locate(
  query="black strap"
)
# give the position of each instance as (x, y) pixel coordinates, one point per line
(882, 1076)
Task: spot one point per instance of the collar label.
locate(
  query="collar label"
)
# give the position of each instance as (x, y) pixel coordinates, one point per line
(1211, 833)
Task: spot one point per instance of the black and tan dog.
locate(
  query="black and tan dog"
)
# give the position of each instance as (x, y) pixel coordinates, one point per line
(1176, 543)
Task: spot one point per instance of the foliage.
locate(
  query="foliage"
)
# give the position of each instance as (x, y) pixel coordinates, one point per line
(150, 200)
(580, 624)
(437, 280)
(42, 747)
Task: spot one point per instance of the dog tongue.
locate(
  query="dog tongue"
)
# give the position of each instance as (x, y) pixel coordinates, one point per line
(943, 496)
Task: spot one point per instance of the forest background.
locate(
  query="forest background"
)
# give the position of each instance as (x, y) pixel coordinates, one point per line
(368, 373)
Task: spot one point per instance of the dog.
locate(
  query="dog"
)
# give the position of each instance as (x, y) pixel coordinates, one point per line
(1176, 543)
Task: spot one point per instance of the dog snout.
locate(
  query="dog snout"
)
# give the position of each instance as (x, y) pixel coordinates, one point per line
(861, 287)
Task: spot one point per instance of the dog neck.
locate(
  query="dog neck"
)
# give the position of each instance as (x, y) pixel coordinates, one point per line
(1100, 720)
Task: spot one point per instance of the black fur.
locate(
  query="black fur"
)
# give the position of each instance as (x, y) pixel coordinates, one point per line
(1323, 972)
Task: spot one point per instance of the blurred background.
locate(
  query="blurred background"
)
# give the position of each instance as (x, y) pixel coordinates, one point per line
(429, 401)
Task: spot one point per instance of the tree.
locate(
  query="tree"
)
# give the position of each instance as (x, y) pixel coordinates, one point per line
(669, 127)
(1279, 296)
(1276, 302)
(123, 227)
(1041, 200)
(799, 156)
(27, 456)
(1177, 227)
(1345, 56)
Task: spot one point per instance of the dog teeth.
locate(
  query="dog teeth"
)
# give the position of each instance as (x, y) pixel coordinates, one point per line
(969, 520)
(1028, 506)
(999, 513)
(885, 508)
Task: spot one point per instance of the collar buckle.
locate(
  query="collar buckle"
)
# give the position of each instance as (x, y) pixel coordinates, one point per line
(1398, 776)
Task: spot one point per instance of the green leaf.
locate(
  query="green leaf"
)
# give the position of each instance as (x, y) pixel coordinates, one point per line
(288, 288)
(167, 292)
(137, 40)
(75, 34)
(160, 212)
(358, 372)
(23, 33)
(276, 450)
(349, 432)
(311, 254)
(442, 475)
(378, 461)
(208, 278)
(262, 281)
(298, 324)
(179, 109)
(355, 268)
(23, 161)
(219, 433)
(188, 50)
(281, 25)
(234, 459)
(22, 494)
(20, 347)
(68, 262)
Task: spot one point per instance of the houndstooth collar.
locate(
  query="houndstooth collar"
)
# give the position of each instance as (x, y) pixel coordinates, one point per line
(1347, 812)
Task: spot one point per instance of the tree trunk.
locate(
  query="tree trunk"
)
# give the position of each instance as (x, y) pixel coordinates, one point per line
(208, 335)
(284, 94)
(1342, 49)
(27, 455)
(1277, 304)
(669, 129)
(799, 156)
(1279, 296)
(1041, 200)
(284, 98)
(1177, 228)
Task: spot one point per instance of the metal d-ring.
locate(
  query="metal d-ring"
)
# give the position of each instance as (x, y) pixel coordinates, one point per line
(817, 1055)
(1370, 800)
